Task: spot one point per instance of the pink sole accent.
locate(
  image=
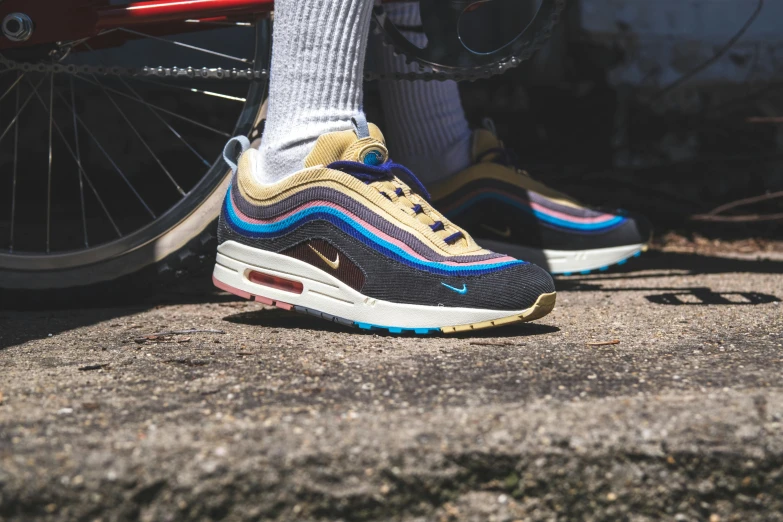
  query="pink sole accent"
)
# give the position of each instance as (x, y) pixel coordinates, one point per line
(241, 293)
(264, 300)
(230, 289)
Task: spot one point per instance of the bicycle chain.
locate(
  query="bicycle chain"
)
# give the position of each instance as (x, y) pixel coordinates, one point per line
(191, 72)
(219, 73)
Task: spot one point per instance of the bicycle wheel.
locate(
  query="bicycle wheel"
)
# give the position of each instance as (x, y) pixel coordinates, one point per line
(111, 173)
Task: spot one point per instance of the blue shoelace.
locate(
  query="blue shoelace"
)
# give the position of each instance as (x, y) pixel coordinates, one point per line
(386, 171)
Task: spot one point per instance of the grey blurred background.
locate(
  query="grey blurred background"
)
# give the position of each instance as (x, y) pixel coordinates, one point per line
(670, 107)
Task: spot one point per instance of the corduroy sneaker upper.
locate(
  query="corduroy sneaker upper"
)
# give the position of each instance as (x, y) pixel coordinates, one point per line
(348, 240)
(510, 212)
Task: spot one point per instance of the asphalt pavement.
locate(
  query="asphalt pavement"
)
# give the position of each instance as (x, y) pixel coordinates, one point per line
(654, 392)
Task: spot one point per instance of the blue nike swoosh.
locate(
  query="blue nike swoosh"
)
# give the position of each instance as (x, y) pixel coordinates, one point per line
(463, 290)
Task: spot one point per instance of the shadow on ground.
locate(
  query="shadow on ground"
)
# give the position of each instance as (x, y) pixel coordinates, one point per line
(660, 265)
(277, 318)
(682, 263)
(655, 264)
(15, 331)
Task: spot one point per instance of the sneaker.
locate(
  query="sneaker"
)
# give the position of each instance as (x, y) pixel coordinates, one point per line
(508, 211)
(347, 240)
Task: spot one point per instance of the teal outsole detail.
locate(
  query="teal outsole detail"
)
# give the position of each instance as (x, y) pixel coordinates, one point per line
(601, 269)
(362, 326)
(396, 330)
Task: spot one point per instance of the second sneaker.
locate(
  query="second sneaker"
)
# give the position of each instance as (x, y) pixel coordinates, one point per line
(508, 211)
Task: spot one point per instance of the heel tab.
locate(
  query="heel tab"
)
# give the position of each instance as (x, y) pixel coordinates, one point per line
(244, 144)
(489, 124)
(360, 126)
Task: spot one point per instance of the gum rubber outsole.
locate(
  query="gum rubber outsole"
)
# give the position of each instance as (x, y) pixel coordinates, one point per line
(543, 305)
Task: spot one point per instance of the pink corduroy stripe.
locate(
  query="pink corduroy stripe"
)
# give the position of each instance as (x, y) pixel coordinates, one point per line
(554, 213)
(368, 227)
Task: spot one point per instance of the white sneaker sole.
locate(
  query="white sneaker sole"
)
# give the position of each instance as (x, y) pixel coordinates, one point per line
(316, 292)
(567, 262)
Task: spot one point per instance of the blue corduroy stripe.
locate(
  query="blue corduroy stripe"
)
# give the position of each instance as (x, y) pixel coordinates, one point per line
(356, 231)
(546, 218)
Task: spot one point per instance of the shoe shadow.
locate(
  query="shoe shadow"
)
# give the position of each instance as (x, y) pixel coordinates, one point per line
(18, 326)
(680, 263)
(661, 265)
(275, 318)
(289, 320)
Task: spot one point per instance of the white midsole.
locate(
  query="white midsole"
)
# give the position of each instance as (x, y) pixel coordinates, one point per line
(563, 261)
(325, 293)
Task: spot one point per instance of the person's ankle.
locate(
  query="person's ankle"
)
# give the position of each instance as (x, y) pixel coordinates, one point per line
(282, 151)
(434, 167)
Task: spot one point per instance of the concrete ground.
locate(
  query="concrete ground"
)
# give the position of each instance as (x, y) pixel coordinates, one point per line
(279, 416)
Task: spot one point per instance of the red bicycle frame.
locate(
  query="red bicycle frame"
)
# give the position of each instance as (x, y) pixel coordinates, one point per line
(71, 20)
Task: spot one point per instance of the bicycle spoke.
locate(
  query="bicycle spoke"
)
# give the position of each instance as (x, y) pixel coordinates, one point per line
(95, 192)
(171, 112)
(49, 175)
(18, 79)
(20, 109)
(141, 138)
(157, 108)
(79, 163)
(13, 182)
(154, 113)
(73, 44)
(188, 46)
(164, 122)
(108, 157)
(193, 89)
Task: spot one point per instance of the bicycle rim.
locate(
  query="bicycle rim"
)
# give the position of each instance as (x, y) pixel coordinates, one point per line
(95, 166)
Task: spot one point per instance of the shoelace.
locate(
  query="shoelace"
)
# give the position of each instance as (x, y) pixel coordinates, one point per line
(385, 172)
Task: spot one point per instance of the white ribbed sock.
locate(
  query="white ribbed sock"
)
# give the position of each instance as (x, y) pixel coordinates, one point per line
(316, 79)
(425, 123)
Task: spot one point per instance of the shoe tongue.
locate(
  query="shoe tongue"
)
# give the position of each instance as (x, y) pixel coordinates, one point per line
(365, 145)
(484, 140)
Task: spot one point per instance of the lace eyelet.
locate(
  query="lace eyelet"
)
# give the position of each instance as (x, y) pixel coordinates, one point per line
(373, 156)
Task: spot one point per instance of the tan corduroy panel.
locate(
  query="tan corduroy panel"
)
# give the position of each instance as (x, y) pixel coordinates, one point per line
(484, 140)
(498, 172)
(358, 190)
(344, 145)
(246, 163)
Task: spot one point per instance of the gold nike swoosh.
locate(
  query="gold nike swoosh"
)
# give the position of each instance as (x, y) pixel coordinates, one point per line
(334, 264)
(501, 233)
